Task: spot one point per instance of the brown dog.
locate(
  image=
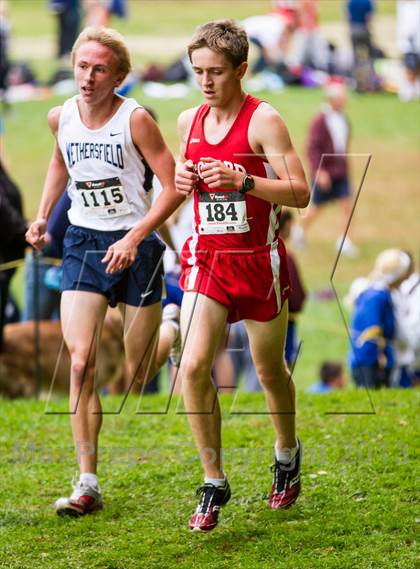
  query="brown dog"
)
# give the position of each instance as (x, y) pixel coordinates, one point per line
(18, 377)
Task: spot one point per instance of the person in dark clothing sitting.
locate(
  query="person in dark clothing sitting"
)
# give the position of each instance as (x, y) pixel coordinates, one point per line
(12, 237)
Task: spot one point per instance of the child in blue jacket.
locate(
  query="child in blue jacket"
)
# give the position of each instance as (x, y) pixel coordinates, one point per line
(373, 321)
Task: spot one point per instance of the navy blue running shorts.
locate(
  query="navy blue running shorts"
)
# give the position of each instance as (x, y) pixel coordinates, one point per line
(340, 188)
(141, 284)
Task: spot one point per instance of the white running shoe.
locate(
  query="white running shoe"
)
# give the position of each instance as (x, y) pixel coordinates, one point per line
(85, 499)
(348, 249)
(171, 313)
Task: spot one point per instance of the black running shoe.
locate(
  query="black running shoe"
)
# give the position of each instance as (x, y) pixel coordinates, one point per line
(212, 499)
(286, 483)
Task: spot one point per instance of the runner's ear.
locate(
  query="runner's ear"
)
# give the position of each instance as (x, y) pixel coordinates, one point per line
(241, 70)
(119, 79)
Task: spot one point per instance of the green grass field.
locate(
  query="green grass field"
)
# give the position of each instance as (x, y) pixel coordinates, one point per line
(357, 508)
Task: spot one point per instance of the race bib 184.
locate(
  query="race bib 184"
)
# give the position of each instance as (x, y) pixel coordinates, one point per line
(222, 212)
(103, 198)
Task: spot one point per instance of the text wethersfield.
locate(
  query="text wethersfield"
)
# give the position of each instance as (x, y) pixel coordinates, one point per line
(109, 153)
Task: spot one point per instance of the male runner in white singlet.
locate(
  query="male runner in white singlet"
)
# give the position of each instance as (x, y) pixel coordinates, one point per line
(104, 143)
(238, 161)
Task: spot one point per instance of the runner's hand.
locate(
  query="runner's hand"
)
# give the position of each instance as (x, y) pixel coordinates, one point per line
(37, 234)
(216, 174)
(323, 180)
(120, 255)
(185, 178)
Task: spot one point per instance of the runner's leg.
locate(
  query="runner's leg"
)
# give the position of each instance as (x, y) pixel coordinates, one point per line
(267, 340)
(82, 315)
(309, 217)
(141, 336)
(202, 324)
(346, 207)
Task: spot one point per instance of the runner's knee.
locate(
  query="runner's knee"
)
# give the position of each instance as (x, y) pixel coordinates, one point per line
(139, 371)
(273, 375)
(82, 371)
(195, 369)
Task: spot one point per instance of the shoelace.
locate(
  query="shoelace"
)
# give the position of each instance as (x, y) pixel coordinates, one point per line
(207, 492)
(281, 476)
(80, 489)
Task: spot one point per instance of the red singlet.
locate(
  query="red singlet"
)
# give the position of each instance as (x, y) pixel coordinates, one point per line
(234, 255)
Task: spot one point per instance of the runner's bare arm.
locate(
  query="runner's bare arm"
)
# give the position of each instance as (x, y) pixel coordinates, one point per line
(269, 137)
(54, 185)
(149, 141)
(150, 144)
(185, 177)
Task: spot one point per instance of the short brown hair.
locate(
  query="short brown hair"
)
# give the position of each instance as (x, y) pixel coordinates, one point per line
(109, 38)
(330, 371)
(223, 36)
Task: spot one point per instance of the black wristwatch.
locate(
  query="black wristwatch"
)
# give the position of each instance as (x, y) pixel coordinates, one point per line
(248, 184)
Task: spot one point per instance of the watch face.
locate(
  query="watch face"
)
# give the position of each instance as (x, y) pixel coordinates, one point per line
(248, 183)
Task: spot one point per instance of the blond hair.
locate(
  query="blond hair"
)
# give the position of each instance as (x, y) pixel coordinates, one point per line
(390, 266)
(109, 38)
(223, 36)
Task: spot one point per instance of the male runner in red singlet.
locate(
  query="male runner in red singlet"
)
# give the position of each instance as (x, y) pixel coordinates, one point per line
(237, 159)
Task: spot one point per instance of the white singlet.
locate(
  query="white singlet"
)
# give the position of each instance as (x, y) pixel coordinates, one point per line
(107, 173)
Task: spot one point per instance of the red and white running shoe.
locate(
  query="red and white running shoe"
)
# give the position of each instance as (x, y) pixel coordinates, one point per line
(286, 483)
(212, 499)
(84, 500)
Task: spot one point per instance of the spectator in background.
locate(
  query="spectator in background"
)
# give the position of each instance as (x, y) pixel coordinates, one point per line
(99, 12)
(5, 67)
(410, 290)
(298, 295)
(2, 152)
(42, 278)
(68, 23)
(328, 145)
(406, 302)
(12, 237)
(309, 48)
(408, 39)
(4, 48)
(331, 378)
(285, 7)
(373, 327)
(67, 14)
(271, 34)
(360, 13)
